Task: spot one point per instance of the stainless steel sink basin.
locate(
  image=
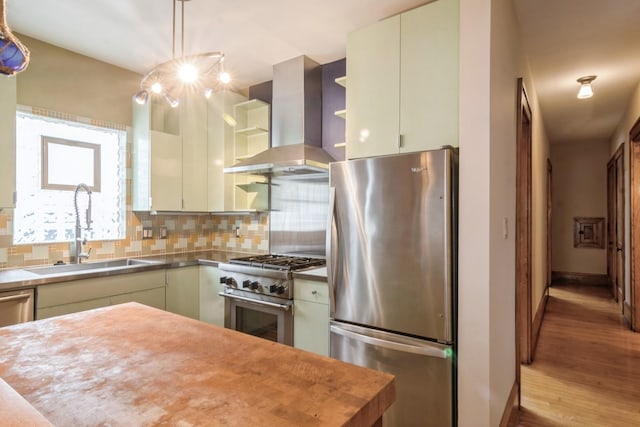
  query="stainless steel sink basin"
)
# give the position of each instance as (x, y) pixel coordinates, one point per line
(90, 266)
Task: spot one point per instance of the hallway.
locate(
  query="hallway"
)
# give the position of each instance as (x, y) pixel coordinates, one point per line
(586, 370)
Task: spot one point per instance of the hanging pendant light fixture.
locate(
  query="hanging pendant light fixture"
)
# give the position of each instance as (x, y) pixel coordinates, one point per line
(585, 87)
(14, 57)
(201, 72)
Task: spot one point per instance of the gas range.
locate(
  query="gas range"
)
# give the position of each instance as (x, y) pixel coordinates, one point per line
(266, 275)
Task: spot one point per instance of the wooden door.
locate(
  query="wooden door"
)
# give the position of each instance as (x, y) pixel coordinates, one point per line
(611, 226)
(619, 241)
(523, 231)
(634, 232)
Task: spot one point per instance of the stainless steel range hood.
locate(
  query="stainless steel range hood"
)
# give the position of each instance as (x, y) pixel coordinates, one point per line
(296, 124)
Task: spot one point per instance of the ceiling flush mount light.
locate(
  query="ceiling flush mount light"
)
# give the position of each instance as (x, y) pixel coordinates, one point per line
(585, 87)
(14, 57)
(202, 72)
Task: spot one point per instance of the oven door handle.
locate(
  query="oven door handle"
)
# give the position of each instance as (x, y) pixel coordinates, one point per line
(284, 307)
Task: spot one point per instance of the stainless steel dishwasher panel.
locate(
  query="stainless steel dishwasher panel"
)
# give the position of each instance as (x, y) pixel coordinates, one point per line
(16, 307)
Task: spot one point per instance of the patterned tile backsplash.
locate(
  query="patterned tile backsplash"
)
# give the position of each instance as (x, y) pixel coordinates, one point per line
(184, 233)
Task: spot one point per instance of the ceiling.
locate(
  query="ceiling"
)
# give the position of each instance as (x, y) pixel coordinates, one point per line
(563, 39)
(567, 39)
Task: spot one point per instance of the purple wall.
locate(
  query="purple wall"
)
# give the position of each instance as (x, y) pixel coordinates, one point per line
(333, 99)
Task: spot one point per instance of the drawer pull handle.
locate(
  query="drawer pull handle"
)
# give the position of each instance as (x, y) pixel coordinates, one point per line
(314, 292)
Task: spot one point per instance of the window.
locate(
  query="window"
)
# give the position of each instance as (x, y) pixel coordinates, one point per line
(53, 156)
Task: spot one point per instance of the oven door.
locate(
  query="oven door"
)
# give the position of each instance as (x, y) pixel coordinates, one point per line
(267, 318)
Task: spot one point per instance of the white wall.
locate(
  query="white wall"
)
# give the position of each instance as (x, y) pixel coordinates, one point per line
(621, 136)
(579, 190)
(491, 60)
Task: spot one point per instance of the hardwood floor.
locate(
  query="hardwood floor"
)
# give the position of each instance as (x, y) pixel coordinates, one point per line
(586, 370)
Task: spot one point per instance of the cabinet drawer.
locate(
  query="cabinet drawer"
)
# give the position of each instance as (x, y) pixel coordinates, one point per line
(98, 287)
(312, 291)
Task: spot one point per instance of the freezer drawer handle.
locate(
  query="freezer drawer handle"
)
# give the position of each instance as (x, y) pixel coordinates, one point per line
(283, 307)
(406, 348)
(15, 297)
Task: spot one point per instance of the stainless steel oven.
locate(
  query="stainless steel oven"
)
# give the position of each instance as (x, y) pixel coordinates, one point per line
(258, 292)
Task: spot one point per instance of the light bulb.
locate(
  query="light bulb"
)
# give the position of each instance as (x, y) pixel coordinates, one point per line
(141, 97)
(171, 100)
(188, 73)
(585, 91)
(224, 77)
(207, 92)
(156, 87)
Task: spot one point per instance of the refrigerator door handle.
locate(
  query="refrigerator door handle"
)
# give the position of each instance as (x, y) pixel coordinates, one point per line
(331, 256)
(425, 350)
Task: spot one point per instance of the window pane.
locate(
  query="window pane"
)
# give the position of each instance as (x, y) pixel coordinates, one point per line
(48, 215)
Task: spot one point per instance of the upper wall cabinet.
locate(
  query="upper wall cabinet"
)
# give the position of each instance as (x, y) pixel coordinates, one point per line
(403, 82)
(170, 156)
(7, 141)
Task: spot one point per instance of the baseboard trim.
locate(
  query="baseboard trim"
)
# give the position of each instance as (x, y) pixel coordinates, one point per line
(511, 414)
(626, 312)
(580, 278)
(537, 322)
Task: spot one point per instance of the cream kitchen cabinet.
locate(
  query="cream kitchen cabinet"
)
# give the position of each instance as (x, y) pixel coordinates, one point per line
(183, 291)
(170, 156)
(220, 139)
(403, 82)
(311, 316)
(147, 287)
(211, 304)
(7, 141)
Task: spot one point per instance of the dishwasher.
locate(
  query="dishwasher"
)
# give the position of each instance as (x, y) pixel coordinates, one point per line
(16, 307)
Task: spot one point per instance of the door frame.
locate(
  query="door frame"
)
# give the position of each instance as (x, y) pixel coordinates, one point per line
(634, 229)
(611, 221)
(549, 218)
(523, 239)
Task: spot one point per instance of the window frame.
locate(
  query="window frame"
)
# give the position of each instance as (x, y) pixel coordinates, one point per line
(45, 140)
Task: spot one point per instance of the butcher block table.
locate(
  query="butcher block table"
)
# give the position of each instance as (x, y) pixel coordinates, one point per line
(132, 365)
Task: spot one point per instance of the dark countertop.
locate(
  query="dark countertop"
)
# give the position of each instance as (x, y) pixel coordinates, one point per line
(135, 365)
(23, 278)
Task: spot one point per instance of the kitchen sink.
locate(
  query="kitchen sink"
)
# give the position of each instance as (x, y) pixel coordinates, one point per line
(90, 266)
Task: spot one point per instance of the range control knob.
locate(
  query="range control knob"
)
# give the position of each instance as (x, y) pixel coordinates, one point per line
(229, 281)
(254, 285)
(223, 280)
(280, 290)
(273, 288)
(246, 283)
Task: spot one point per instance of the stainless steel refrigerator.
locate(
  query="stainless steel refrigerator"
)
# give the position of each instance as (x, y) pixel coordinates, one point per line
(391, 264)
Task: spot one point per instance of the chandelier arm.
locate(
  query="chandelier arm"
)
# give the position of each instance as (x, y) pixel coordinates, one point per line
(182, 30)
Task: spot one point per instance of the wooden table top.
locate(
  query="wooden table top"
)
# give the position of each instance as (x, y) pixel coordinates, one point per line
(134, 365)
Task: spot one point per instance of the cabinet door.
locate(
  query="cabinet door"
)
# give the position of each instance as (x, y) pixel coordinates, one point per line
(311, 316)
(59, 310)
(182, 291)
(194, 154)
(166, 172)
(429, 76)
(211, 304)
(151, 297)
(7, 141)
(373, 69)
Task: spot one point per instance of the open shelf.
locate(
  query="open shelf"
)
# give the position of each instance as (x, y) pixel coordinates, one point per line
(251, 131)
(341, 113)
(342, 81)
(251, 104)
(340, 144)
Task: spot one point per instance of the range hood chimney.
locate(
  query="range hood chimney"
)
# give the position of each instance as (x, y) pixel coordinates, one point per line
(296, 124)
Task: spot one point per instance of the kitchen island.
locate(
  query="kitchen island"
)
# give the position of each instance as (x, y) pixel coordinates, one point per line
(134, 365)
